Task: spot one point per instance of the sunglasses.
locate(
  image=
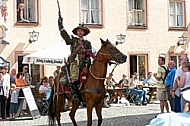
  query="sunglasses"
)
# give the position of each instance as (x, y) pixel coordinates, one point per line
(44, 81)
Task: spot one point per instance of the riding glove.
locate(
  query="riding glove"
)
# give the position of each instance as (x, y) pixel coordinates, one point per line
(60, 23)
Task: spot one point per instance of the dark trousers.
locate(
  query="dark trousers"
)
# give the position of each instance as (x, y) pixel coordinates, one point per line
(3, 105)
(170, 99)
(8, 106)
(177, 105)
(74, 87)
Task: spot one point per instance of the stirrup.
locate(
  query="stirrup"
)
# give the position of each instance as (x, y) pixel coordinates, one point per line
(75, 97)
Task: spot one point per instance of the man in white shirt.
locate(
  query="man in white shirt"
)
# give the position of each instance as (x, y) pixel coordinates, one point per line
(150, 79)
(6, 84)
(134, 90)
(176, 91)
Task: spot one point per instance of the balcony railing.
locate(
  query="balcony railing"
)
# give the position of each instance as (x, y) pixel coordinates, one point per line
(137, 17)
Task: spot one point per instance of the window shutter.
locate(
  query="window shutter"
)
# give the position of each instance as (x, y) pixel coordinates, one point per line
(85, 11)
(32, 15)
(131, 4)
(179, 14)
(95, 11)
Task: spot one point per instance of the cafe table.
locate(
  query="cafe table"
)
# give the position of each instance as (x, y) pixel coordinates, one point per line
(115, 92)
(152, 90)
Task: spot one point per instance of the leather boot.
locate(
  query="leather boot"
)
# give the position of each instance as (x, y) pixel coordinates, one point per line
(74, 91)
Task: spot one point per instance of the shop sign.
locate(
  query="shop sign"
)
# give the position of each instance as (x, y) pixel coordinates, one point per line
(48, 61)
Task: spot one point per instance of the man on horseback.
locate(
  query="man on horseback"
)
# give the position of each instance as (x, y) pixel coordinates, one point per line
(77, 60)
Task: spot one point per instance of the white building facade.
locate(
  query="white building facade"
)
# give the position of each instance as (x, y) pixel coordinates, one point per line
(151, 27)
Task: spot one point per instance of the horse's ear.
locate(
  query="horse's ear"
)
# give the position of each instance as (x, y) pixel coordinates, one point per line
(102, 41)
(107, 41)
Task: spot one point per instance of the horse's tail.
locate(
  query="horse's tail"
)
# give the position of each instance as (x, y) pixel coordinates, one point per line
(51, 110)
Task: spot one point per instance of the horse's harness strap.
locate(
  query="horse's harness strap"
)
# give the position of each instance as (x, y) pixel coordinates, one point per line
(98, 78)
(60, 93)
(99, 91)
(79, 46)
(94, 57)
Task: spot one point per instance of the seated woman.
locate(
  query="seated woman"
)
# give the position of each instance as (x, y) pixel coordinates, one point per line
(110, 80)
(109, 83)
(123, 82)
(45, 88)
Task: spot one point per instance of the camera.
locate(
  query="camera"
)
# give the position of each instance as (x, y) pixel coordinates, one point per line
(178, 77)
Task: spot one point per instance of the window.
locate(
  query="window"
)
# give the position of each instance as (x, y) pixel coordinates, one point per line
(91, 12)
(137, 12)
(175, 58)
(29, 10)
(177, 14)
(138, 63)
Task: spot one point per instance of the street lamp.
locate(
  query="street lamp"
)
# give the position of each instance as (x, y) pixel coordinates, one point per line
(120, 39)
(181, 40)
(33, 36)
(162, 55)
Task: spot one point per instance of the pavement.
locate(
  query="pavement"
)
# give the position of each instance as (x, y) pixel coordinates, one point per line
(113, 116)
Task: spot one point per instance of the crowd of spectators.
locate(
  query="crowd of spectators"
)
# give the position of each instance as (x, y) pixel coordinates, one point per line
(11, 92)
(169, 81)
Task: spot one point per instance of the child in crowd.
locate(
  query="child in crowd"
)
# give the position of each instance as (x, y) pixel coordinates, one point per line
(13, 102)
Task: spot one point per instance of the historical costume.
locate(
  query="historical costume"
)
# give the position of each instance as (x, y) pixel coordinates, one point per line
(79, 47)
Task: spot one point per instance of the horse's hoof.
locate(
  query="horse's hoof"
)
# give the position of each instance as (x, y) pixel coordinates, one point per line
(70, 114)
(66, 109)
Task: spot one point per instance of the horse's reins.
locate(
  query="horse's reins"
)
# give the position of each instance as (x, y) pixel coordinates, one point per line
(100, 78)
(58, 87)
(110, 55)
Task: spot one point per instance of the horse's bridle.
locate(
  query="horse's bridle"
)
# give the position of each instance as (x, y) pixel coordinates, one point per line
(109, 54)
(101, 78)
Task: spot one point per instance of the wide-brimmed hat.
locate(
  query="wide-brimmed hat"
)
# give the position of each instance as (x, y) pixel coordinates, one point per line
(186, 95)
(81, 26)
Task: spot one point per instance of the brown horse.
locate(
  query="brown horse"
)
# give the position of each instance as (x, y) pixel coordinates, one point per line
(59, 93)
(93, 91)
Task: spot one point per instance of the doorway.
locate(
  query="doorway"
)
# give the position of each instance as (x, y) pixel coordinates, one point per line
(34, 70)
(138, 63)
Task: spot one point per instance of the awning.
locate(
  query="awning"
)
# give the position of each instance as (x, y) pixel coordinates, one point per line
(52, 55)
(3, 62)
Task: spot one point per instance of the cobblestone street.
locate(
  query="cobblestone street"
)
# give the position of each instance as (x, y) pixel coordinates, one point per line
(113, 116)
